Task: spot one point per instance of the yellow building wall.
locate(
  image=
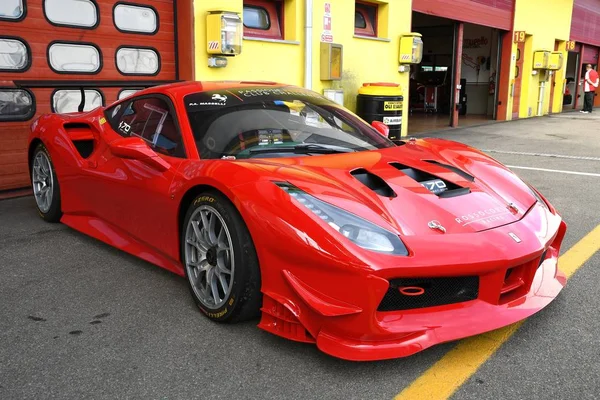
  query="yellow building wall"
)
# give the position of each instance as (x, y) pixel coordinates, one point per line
(259, 60)
(364, 60)
(544, 22)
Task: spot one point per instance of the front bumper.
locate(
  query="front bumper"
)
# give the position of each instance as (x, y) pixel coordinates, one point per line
(338, 310)
(427, 328)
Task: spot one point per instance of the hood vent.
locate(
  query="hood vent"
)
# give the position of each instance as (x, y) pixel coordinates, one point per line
(373, 182)
(440, 187)
(452, 168)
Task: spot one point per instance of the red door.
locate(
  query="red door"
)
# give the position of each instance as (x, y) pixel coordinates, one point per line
(50, 51)
(518, 78)
(132, 195)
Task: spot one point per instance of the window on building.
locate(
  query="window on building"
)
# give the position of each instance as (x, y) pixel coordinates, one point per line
(365, 19)
(127, 92)
(134, 18)
(14, 55)
(75, 13)
(263, 19)
(74, 58)
(137, 61)
(68, 100)
(16, 105)
(12, 9)
(152, 119)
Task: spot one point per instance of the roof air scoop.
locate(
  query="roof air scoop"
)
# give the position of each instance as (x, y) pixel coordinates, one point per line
(373, 182)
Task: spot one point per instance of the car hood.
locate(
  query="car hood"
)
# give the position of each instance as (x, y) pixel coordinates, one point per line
(387, 186)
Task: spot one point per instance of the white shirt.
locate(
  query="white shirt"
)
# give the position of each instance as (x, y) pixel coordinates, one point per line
(587, 86)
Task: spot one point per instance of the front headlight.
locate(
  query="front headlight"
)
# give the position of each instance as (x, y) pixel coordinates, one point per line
(358, 230)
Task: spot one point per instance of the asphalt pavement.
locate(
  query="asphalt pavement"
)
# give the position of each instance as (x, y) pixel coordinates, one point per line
(79, 319)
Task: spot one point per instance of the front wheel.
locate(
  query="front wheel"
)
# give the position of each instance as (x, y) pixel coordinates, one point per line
(220, 260)
(45, 185)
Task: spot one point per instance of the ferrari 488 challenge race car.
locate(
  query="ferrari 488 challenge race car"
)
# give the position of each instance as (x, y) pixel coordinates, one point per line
(275, 202)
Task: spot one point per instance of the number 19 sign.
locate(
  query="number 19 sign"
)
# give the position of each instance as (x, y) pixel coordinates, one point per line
(519, 36)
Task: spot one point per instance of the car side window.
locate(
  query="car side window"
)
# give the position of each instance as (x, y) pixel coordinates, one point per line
(151, 119)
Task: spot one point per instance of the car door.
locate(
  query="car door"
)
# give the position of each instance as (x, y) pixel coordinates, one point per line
(131, 194)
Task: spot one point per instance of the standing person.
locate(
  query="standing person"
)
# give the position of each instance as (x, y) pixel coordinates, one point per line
(590, 86)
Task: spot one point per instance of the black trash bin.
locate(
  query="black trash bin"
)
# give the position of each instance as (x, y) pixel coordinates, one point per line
(382, 102)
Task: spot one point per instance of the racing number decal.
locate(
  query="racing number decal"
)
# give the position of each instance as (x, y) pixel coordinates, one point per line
(124, 127)
(436, 186)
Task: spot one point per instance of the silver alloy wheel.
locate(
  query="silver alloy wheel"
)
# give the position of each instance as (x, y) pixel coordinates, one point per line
(43, 181)
(209, 257)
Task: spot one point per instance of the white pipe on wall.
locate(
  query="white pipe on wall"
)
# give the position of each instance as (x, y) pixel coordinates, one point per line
(540, 111)
(308, 44)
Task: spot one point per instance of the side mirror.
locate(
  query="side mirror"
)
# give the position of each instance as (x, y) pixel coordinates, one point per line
(134, 148)
(381, 128)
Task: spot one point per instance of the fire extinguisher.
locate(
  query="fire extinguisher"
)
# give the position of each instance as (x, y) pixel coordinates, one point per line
(492, 86)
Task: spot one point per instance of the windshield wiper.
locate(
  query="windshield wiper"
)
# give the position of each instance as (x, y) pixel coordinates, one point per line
(304, 148)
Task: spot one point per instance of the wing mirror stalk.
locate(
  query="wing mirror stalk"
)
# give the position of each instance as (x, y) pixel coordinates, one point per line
(134, 148)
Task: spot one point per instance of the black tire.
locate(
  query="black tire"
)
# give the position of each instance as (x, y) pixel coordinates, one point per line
(54, 212)
(245, 299)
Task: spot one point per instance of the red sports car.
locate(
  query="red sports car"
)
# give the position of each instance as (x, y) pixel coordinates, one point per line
(276, 202)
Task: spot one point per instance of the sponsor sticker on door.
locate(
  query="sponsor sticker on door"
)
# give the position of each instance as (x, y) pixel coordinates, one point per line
(392, 120)
(392, 105)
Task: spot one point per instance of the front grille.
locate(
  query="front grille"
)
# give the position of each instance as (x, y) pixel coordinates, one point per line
(428, 292)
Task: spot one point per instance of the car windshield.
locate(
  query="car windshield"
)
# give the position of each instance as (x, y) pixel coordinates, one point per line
(275, 122)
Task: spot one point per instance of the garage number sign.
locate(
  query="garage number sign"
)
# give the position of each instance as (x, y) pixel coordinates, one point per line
(519, 36)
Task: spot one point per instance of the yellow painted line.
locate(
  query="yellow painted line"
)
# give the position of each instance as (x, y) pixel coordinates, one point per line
(459, 364)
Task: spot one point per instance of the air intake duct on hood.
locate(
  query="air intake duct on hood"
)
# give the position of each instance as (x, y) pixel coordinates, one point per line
(452, 168)
(373, 182)
(436, 185)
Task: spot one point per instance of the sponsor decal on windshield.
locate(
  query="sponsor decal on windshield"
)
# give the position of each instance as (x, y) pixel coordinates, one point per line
(232, 97)
(216, 100)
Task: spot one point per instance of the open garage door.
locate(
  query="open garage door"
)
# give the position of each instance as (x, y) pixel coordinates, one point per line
(472, 68)
(53, 52)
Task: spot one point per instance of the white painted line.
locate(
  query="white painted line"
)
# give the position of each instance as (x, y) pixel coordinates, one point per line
(520, 153)
(555, 170)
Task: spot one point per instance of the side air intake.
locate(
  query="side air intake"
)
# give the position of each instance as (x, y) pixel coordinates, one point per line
(82, 137)
(441, 188)
(373, 182)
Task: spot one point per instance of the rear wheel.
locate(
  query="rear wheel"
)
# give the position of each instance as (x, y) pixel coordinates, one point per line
(46, 189)
(220, 260)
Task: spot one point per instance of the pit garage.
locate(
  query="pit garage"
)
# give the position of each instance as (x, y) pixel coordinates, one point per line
(432, 82)
(74, 55)
(571, 84)
(457, 82)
